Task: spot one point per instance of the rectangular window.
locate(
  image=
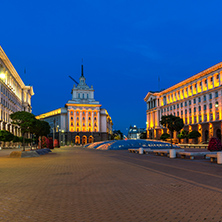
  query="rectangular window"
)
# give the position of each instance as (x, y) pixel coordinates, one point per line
(190, 120)
(199, 108)
(185, 103)
(189, 102)
(194, 109)
(194, 101)
(205, 98)
(216, 94)
(185, 111)
(205, 107)
(210, 96)
(200, 118)
(199, 99)
(181, 105)
(189, 110)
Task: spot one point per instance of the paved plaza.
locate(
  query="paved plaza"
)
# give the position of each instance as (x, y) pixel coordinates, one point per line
(77, 184)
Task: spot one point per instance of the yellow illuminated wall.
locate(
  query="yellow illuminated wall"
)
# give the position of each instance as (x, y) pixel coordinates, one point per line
(82, 120)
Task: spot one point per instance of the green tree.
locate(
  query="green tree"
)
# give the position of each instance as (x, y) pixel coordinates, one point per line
(25, 120)
(40, 128)
(173, 123)
(117, 135)
(6, 136)
(194, 135)
(183, 135)
(143, 135)
(165, 136)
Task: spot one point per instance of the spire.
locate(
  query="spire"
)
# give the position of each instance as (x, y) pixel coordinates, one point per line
(82, 69)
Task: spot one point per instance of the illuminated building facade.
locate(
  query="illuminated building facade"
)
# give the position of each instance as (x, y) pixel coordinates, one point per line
(15, 95)
(82, 120)
(197, 100)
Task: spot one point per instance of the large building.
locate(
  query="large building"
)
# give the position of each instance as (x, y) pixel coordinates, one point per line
(134, 132)
(15, 95)
(82, 120)
(197, 100)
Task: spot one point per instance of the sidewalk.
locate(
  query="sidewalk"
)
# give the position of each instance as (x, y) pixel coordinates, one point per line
(79, 184)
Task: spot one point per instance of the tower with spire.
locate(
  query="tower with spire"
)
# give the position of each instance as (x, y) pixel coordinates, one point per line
(82, 93)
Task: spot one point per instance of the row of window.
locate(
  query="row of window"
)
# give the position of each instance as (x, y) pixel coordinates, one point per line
(7, 105)
(84, 130)
(195, 100)
(83, 113)
(188, 91)
(83, 96)
(195, 109)
(83, 118)
(77, 124)
(9, 95)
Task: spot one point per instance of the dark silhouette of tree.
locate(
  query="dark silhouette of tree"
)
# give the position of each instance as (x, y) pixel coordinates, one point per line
(25, 121)
(40, 128)
(165, 136)
(173, 123)
(6, 136)
(194, 135)
(183, 135)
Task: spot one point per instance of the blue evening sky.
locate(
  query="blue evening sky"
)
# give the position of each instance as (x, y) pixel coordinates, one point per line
(125, 46)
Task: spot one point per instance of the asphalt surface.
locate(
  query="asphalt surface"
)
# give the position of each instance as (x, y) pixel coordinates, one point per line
(78, 184)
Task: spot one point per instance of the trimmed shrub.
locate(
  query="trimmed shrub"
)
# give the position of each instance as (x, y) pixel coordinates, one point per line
(165, 136)
(214, 144)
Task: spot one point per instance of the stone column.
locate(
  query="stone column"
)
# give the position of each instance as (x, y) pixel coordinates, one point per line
(92, 120)
(98, 121)
(75, 120)
(68, 116)
(86, 121)
(80, 120)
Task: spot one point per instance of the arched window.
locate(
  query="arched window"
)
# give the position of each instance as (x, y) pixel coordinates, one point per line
(95, 118)
(83, 118)
(89, 113)
(77, 118)
(79, 95)
(89, 118)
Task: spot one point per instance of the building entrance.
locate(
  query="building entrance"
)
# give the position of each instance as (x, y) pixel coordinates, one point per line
(84, 139)
(77, 140)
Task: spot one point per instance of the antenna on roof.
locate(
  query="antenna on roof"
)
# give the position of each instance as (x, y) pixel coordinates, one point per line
(74, 80)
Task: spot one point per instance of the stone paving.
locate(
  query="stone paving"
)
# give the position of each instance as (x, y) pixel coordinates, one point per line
(77, 184)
